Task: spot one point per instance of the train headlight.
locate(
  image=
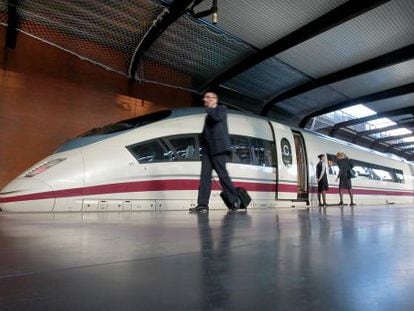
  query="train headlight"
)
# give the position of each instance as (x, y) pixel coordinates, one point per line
(43, 167)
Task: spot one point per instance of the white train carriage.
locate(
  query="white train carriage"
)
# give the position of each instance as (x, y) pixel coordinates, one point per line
(380, 179)
(153, 163)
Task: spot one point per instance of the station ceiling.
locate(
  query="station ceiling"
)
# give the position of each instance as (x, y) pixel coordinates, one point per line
(294, 61)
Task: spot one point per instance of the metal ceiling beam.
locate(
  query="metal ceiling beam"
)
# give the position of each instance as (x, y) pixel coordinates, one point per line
(400, 152)
(12, 24)
(176, 9)
(392, 149)
(335, 17)
(380, 148)
(408, 149)
(384, 139)
(389, 138)
(386, 60)
(394, 92)
(401, 123)
(384, 114)
(402, 144)
(409, 156)
(374, 131)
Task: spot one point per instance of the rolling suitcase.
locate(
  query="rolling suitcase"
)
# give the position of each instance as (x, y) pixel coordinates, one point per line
(243, 196)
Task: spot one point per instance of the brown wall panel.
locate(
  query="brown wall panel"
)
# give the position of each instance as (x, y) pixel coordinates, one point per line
(48, 96)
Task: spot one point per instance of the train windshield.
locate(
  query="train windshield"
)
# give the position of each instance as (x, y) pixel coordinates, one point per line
(127, 124)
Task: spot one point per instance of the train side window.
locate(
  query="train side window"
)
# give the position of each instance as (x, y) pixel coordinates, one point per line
(362, 172)
(386, 174)
(362, 169)
(184, 147)
(332, 166)
(382, 174)
(251, 151)
(372, 171)
(151, 151)
(241, 152)
(262, 152)
(399, 176)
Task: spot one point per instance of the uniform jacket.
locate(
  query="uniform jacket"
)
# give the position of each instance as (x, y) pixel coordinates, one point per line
(216, 138)
(345, 165)
(319, 171)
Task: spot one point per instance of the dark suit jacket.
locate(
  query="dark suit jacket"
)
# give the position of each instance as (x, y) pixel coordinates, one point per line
(345, 165)
(216, 138)
(319, 170)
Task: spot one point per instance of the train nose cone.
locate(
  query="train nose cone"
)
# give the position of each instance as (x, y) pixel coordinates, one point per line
(27, 194)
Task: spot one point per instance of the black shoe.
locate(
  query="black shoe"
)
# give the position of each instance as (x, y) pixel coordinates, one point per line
(352, 204)
(341, 203)
(199, 209)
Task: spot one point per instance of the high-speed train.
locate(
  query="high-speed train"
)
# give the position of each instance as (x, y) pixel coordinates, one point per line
(152, 162)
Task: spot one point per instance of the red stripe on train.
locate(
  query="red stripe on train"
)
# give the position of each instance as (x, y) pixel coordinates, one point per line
(177, 184)
(139, 186)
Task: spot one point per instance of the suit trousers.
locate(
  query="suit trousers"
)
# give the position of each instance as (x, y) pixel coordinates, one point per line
(218, 163)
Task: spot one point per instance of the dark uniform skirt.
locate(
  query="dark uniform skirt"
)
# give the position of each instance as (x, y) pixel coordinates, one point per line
(345, 183)
(345, 165)
(323, 184)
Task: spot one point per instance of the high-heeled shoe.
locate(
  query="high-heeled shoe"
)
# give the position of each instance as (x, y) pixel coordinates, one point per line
(341, 203)
(352, 204)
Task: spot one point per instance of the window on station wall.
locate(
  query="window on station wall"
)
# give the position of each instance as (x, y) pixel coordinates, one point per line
(370, 171)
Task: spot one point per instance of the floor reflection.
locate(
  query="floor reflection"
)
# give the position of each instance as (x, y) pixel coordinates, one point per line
(319, 259)
(217, 261)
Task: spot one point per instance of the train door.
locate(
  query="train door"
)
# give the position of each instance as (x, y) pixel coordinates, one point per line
(287, 174)
(301, 165)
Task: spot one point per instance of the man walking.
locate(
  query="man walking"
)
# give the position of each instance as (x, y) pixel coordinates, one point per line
(216, 144)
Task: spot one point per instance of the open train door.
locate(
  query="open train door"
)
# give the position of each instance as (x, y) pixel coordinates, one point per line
(287, 173)
(301, 164)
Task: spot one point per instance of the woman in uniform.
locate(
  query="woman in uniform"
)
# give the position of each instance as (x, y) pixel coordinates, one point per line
(322, 179)
(344, 175)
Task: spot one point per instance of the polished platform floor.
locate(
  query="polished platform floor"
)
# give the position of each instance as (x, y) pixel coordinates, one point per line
(334, 259)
